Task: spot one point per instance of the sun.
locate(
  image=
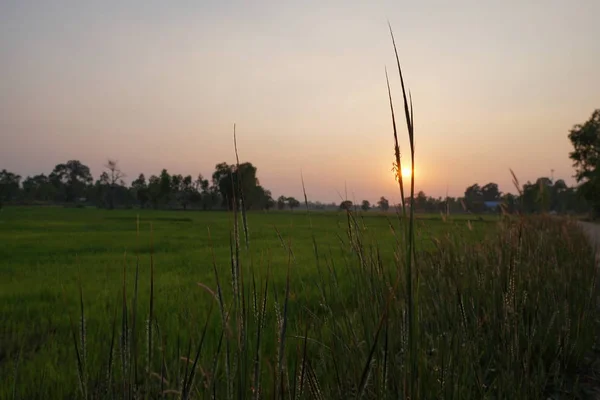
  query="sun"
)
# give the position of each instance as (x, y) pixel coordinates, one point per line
(406, 172)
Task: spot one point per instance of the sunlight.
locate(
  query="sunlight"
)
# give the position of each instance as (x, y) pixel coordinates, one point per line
(406, 172)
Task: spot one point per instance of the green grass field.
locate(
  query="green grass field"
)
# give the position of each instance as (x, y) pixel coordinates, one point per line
(340, 269)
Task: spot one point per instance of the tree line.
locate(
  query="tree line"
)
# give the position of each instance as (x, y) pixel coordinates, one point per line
(238, 185)
(543, 195)
(72, 182)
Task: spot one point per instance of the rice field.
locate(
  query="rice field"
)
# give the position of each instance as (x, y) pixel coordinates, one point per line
(151, 304)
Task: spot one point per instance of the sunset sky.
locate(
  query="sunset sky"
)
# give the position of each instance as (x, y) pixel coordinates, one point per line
(157, 84)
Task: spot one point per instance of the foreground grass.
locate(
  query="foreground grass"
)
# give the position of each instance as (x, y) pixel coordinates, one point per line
(506, 310)
(43, 250)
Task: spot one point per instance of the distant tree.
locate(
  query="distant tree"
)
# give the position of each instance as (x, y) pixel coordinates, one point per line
(238, 184)
(71, 178)
(292, 203)
(586, 159)
(154, 190)
(365, 206)
(9, 186)
(420, 202)
(346, 205)
(281, 202)
(490, 192)
(101, 192)
(260, 199)
(270, 204)
(165, 186)
(510, 203)
(201, 193)
(383, 204)
(140, 189)
(38, 188)
(474, 198)
(247, 186)
(536, 197)
(222, 179)
(115, 177)
(203, 184)
(186, 190)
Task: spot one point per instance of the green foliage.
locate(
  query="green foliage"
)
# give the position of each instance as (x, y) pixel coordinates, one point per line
(71, 179)
(586, 158)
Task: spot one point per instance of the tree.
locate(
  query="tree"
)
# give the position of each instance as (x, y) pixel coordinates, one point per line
(154, 190)
(223, 181)
(185, 191)
(474, 198)
(536, 197)
(140, 189)
(586, 159)
(101, 191)
(490, 192)
(165, 186)
(510, 203)
(38, 188)
(202, 193)
(239, 184)
(292, 203)
(346, 205)
(71, 178)
(9, 186)
(261, 199)
(115, 176)
(420, 202)
(365, 206)
(383, 204)
(270, 201)
(281, 202)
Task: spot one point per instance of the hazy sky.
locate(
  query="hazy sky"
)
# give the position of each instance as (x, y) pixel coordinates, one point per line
(158, 84)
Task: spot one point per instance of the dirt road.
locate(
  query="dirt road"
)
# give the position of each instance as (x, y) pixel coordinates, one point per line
(593, 232)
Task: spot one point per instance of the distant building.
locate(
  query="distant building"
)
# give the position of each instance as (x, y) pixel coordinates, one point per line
(492, 205)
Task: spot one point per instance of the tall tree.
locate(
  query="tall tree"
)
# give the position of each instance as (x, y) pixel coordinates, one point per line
(72, 178)
(586, 159)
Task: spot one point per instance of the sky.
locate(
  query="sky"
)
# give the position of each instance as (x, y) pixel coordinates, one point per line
(156, 84)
